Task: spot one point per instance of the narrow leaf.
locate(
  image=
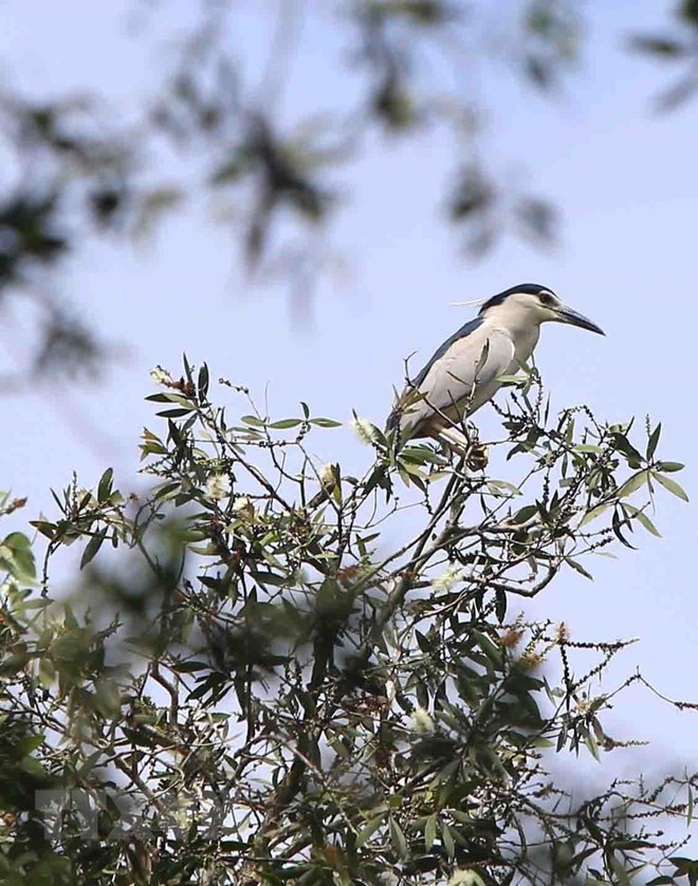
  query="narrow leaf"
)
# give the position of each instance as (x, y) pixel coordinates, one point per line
(633, 484)
(670, 467)
(93, 545)
(671, 485)
(285, 423)
(430, 832)
(104, 488)
(369, 829)
(653, 441)
(397, 838)
(592, 514)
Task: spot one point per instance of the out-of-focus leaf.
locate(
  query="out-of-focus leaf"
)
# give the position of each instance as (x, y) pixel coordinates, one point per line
(472, 194)
(678, 94)
(661, 47)
(688, 10)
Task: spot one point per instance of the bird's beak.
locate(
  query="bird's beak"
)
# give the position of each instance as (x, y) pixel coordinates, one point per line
(567, 315)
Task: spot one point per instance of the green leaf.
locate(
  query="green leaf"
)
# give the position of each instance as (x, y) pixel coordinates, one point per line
(253, 421)
(104, 488)
(643, 519)
(32, 766)
(669, 467)
(397, 838)
(448, 841)
(593, 514)
(30, 743)
(179, 412)
(633, 484)
(671, 485)
(616, 525)
(369, 829)
(284, 423)
(579, 568)
(623, 445)
(203, 382)
(190, 667)
(524, 514)
(179, 399)
(689, 806)
(86, 768)
(44, 527)
(263, 577)
(17, 556)
(430, 832)
(653, 441)
(493, 652)
(500, 604)
(497, 487)
(593, 747)
(325, 423)
(93, 546)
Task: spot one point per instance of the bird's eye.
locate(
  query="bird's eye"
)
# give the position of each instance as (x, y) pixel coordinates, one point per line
(546, 298)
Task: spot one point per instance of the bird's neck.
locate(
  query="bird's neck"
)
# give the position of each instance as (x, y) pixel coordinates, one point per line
(523, 334)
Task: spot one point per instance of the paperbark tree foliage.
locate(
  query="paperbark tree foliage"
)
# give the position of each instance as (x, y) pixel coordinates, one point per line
(288, 674)
(77, 167)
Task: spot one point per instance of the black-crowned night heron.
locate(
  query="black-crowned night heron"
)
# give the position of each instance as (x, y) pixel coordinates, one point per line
(464, 372)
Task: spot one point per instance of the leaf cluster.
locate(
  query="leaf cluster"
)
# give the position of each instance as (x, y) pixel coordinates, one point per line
(251, 684)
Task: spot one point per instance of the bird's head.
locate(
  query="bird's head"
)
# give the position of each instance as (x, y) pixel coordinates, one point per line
(531, 304)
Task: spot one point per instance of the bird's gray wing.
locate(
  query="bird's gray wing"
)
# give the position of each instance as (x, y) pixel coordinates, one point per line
(463, 377)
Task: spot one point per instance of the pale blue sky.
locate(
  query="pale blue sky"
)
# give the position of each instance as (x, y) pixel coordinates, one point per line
(626, 184)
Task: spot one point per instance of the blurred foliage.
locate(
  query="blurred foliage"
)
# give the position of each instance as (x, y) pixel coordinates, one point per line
(678, 46)
(273, 671)
(77, 168)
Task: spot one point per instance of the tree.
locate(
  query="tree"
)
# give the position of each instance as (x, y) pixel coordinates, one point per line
(77, 168)
(297, 675)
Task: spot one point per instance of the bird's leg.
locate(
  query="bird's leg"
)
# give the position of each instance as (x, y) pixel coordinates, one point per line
(465, 446)
(453, 439)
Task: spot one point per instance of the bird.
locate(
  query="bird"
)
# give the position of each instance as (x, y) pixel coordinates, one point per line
(465, 371)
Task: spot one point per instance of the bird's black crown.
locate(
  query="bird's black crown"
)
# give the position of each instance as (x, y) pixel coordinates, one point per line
(528, 288)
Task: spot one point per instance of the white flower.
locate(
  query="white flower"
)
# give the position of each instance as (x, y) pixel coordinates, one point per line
(160, 376)
(422, 721)
(466, 878)
(217, 487)
(243, 509)
(328, 474)
(447, 579)
(364, 429)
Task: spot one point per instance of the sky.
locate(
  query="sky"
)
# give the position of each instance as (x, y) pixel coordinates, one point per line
(624, 179)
